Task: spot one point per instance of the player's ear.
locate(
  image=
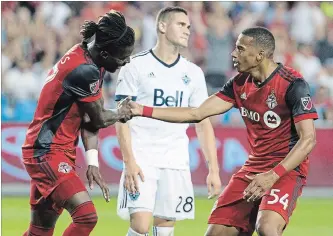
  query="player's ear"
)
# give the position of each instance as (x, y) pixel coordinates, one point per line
(260, 56)
(161, 27)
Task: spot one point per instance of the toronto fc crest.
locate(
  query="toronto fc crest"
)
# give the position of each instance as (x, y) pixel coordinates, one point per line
(271, 100)
(64, 167)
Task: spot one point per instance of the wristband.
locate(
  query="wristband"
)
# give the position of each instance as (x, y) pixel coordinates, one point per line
(92, 157)
(280, 170)
(147, 111)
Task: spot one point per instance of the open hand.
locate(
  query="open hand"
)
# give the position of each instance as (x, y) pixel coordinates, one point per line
(259, 185)
(132, 171)
(93, 175)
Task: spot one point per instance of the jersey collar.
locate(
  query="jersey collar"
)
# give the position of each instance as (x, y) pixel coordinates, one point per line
(162, 62)
(270, 77)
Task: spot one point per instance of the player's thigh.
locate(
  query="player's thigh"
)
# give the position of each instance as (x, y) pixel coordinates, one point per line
(175, 197)
(231, 212)
(49, 173)
(42, 212)
(143, 201)
(70, 193)
(282, 197)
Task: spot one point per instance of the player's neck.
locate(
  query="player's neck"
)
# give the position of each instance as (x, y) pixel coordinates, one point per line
(93, 53)
(167, 53)
(263, 71)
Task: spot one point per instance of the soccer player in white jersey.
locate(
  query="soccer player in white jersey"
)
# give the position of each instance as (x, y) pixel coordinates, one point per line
(156, 180)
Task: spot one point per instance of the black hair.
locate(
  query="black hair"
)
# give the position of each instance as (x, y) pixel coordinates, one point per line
(110, 30)
(263, 38)
(164, 13)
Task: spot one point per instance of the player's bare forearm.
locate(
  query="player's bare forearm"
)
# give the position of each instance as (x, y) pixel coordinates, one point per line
(89, 139)
(205, 134)
(212, 106)
(100, 117)
(124, 139)
(306, 143)
(177, 115)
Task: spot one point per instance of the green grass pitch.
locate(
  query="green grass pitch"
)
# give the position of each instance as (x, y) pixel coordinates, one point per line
(311, 217)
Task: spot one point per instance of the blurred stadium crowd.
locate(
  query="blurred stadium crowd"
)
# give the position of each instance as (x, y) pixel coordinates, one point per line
(35, 34)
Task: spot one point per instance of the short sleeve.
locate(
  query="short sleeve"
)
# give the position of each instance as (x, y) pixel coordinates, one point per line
(127, 83)
(83, 83)
(227, 92)
(199, 93)
(299, 101)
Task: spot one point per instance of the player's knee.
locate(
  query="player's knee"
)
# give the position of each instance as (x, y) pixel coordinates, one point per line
(267, 229)
(163, 231)
(85, 215)
(140, 229)
(140, 221)
(44, 217)
(137, 232)
(270, 224)
(38, 231)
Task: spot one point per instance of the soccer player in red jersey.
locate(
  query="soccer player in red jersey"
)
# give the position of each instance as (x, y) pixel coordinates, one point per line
(275, 104)
(71, 93)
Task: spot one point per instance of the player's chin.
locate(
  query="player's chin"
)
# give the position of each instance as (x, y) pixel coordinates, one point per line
(240, 69)
(183, 43)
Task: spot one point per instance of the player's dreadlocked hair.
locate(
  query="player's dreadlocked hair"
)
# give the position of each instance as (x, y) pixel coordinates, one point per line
(164, 13)
(111, 29)
(263, 38)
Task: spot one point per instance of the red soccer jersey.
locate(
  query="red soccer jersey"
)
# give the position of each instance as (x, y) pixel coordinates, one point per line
(270, 111)
(56, 124)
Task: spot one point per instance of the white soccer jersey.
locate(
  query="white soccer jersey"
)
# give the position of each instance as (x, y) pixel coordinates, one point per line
(151, 82)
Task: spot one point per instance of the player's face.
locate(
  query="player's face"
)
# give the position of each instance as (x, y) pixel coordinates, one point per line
(177, 29)
(112, 61)
(245, 56)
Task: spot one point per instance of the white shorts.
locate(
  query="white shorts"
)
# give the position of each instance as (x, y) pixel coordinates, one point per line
(167, 193)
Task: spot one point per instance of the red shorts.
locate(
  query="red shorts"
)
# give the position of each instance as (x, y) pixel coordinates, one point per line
(232, 210)
(53, 179)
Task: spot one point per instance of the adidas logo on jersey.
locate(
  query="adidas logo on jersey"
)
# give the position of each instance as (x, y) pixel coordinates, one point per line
(151, 75)
(243, 96)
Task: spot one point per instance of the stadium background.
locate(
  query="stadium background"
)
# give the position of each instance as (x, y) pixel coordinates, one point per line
(35, 34)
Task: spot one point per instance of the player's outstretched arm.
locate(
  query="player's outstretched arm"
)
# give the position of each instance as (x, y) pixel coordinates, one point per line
(212, 106)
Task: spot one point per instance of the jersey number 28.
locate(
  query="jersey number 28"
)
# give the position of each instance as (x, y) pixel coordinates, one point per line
(185, 204)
